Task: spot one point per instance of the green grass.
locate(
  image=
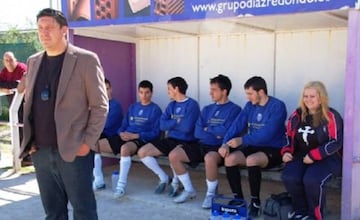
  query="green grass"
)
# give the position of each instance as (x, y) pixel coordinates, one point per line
(6, 152)
(5, 136)
(5, 139)
(8, 171)
(4, 127)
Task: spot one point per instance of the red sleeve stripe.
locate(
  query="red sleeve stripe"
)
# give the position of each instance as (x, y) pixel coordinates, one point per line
(315, 154)
(318, 213)
(332, 126)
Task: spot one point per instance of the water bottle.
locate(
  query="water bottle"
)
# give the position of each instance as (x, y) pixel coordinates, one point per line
(215, 215)
(226, 216)
(114, 179)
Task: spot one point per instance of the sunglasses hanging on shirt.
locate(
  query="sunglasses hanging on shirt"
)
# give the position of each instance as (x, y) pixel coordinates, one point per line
(45, 94)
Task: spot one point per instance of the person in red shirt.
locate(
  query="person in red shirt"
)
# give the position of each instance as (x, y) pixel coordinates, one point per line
(10, 77)
(11, 74)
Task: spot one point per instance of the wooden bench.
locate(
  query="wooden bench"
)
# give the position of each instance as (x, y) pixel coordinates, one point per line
(273, 174)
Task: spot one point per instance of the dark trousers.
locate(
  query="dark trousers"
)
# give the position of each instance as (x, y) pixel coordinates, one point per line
(61, 182)
(306, 183)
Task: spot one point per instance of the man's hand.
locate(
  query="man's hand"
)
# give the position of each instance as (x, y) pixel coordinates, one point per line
(84, 150)
(124, 136)
(307, 159)
(224, 150)
(287, 157)
(234, 142)
(32, 150)
(128, 136)
(5, 90)
(133, 136)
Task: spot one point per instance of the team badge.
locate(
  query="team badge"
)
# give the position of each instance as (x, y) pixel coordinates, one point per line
(259, 117)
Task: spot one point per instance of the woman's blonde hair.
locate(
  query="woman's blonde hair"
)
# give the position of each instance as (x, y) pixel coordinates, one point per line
(324, 102)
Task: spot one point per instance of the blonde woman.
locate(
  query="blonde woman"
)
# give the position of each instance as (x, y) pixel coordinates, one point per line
(314, 152)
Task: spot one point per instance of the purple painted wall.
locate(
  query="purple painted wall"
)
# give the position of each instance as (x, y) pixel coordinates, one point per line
(351, 159)
(118, 61)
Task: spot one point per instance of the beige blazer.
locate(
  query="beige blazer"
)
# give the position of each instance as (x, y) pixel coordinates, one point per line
(81, 102)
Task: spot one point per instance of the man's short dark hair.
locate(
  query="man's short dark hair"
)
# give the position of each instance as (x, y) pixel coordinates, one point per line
(107, 82)
(223, 82)
(257, 83)
(146, 84)
(180, 83)
(56, 14)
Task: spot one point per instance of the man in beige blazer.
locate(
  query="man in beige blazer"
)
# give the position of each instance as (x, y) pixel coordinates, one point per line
(64, 113)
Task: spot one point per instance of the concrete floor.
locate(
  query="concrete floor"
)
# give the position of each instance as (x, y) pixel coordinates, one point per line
(19, 194)
(19, 197)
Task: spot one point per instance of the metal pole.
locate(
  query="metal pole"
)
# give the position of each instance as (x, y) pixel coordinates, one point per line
(14, 127)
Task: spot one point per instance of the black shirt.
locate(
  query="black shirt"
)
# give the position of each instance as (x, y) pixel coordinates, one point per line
(44, 98)
(306, 137)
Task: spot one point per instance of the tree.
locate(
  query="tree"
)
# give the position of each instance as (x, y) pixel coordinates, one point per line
(15, 36)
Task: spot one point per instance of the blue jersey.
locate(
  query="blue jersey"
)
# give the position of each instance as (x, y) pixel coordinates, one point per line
(114, 118)
(214, 121)
(143, 120)
(264, 126)
(179, 119)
